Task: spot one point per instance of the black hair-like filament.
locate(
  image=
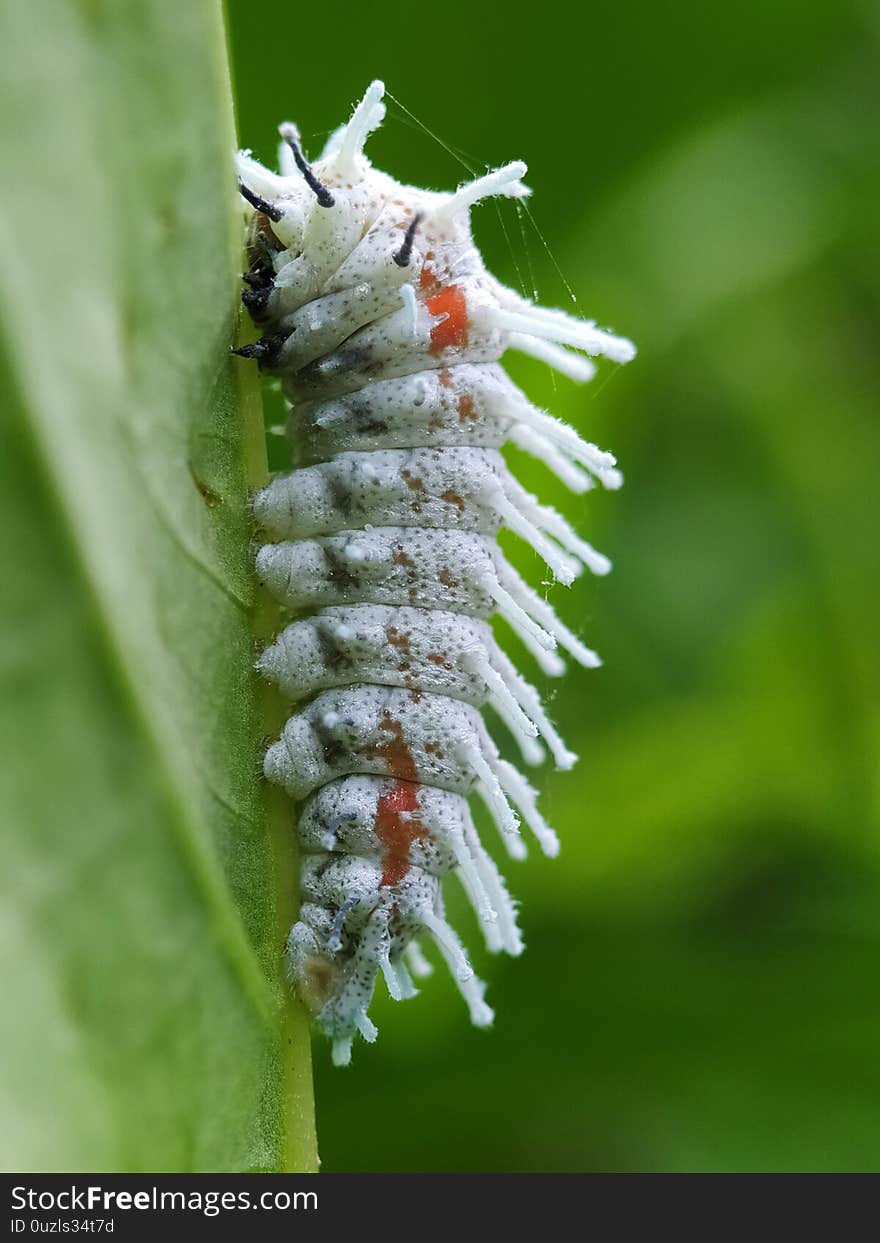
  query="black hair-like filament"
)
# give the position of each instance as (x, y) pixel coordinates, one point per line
(260, 204)
(403, 256)
(322, 194)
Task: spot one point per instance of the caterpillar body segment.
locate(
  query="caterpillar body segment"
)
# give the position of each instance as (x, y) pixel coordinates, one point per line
(419, 649)
(435, 739)
(431, 568)
(458, 487)
(471, 404)
(386, 333)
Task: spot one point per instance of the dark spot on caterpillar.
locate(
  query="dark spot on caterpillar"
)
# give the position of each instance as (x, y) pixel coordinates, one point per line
(333, 652)
(363, 415)
(447, 579)
(333, 746)
(346, 358)
(340, 492)
(399, 557)
(339, 572)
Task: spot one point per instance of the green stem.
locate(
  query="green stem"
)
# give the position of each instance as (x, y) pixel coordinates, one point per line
(298, 1151)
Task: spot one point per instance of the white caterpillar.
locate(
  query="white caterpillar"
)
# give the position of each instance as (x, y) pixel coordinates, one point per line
(386, 330)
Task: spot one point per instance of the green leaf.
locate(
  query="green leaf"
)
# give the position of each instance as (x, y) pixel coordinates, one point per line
(147, 885)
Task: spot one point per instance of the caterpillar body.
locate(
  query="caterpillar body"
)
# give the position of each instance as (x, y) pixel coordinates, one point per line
(386, 331)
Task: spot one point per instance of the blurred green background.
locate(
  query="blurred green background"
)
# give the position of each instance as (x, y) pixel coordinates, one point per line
(700, 986)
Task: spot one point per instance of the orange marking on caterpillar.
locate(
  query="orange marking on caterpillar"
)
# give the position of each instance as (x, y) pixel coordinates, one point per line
(466, 411)
(428, 274)
(397, 827)
(452, 331)
(451, 497)
(394, 750)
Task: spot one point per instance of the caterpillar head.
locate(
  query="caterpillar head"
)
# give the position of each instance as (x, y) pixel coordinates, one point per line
(308, 217)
